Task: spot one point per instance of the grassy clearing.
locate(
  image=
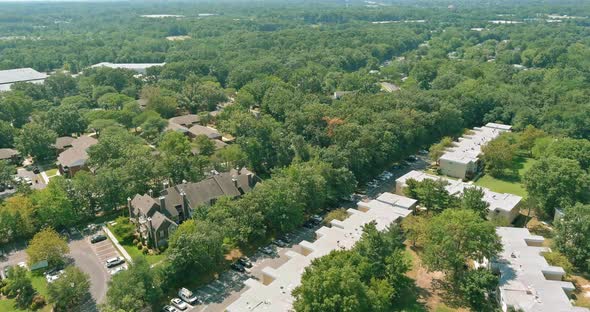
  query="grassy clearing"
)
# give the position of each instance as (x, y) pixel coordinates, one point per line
(512, 185)
(134, 252)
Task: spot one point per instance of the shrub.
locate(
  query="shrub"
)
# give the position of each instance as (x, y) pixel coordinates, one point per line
(145, 250)
(139, 246)
(124, 229)
(556, 258)
(38, 302)
(135, 241)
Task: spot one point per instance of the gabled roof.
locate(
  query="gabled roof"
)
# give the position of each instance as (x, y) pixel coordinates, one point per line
(63, 142)
(144, 204)
(202, 130)
(7, 153)
(160, 221)
(185, 120)
(76, 155)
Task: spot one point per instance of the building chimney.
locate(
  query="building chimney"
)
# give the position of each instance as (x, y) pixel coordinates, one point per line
(162, 203)
(129, 207)
(151, 193)
(235, 181)
(185, 212)
(250, 179)
(152, 233)
(165, 184)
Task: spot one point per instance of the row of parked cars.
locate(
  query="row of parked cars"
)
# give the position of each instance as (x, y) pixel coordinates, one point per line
(185, 297)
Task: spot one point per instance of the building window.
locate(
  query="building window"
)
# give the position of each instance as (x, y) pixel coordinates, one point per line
(161, 234)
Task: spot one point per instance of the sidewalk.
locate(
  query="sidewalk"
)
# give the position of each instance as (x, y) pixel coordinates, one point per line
(117, 245)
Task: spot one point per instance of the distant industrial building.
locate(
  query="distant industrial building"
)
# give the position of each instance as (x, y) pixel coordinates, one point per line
(462, 161)
(273, 291)
(527, 282)
(502, 205)
(140, 68)
(11, 76)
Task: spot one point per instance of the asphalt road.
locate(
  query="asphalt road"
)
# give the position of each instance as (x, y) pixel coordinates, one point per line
(85, 258)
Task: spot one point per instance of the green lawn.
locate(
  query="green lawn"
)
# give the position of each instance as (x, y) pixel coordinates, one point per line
(51, 172)
(39, 283)
(511, 185)
(134, 252)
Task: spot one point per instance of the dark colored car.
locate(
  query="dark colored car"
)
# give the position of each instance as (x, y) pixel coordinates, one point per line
(245, 262)
(97, 238)
(36, 170)
(238, 267)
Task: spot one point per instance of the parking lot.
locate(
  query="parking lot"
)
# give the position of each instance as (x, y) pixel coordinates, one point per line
(105, 250)
(219, 294)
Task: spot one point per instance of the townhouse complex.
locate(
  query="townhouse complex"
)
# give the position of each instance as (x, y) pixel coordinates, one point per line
(273, 291)
(462, 160)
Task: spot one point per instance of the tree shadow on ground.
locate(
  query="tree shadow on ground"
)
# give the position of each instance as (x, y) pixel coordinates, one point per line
(411, 298)
(448, 293)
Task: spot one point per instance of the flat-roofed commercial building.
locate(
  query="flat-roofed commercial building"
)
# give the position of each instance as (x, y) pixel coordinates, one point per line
(502, 205)
(140, 68)
(527, 282)
(11, 76)
(273, 291)
(462, 161)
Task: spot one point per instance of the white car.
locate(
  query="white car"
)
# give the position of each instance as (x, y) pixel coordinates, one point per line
(53, 276)
(179, 304)
(187, 296)
(113, 262)
(118, 270)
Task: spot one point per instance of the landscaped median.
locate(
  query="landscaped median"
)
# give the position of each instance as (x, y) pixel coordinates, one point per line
(124, 233)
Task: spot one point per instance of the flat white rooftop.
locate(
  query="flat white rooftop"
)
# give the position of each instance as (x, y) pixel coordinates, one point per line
(276, 295)
(20, 75)
(498, 201)
(528, 283)
(468, 148)
(132, 66)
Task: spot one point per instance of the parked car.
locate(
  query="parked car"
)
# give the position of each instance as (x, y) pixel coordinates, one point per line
(423, 152)
(267, 250)
(168, 308)
(113, 262)
(28, 180)
(187, 296)
(53, 275)
(23, 265)
(4, 272)
(97, 238)
(309, 224)
(118, 270)
(179, 304)
(279, 243)
(238, 267)
(35, 170)
(412, 158)
(245, 262)
(317, 219)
